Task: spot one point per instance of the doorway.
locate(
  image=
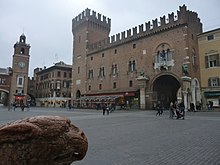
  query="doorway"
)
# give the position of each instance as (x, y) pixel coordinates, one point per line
(166, 88)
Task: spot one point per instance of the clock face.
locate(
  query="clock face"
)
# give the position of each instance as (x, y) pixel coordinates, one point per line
(21, 64)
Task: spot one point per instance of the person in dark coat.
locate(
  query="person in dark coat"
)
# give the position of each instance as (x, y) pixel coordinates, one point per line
(158, 108)
(181, 112)
(172, 109)
(103, 109)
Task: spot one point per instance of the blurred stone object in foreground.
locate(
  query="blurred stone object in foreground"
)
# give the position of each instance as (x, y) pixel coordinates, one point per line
(41, 140)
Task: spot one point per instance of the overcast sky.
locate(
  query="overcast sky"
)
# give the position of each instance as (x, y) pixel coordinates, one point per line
(47, 23)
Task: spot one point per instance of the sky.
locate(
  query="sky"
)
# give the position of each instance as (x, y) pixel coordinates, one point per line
(47, 24)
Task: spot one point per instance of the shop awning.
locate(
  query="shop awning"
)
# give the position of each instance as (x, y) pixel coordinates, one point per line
(212, 94)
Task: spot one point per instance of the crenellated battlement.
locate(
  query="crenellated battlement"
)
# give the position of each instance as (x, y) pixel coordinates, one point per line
(95, 19)
(183, 17)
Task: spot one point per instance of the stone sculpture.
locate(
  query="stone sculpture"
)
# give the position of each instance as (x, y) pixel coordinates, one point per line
(47, 140)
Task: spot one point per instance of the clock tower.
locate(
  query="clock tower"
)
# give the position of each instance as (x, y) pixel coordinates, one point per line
(20, 67)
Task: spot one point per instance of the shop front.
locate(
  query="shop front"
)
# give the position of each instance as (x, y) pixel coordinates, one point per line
(212, 97)
(125, 100)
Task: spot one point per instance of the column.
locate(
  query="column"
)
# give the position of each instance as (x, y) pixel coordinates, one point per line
(142, 80)
(142, 98)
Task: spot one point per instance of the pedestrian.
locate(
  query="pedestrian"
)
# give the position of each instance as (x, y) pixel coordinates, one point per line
(158, 108)
(28, 106)
(192, 107)
(14, 105)
(22, 105)
(103, 109)
(211, 105)
(107, 109)
(69, 105)
(181, 111)
(172, 110)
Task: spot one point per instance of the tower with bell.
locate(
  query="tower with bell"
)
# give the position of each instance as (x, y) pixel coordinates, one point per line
(20, 67)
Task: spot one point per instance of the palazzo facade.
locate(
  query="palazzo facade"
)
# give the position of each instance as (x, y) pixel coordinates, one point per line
(154, 61)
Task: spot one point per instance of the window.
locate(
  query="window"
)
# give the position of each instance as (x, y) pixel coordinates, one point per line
(89, 87)
(78, 70)
(103, 55)
(19, 91)
(2, 81)
(210, 37)
(163, 58)
(114, 69)
(58, 85)
(64, 74)
(91, 58)
(114, 85)
(79, 39)
(22, 51)
(20, 81)
(134, 46)
(58, 74)
(65, 84)
(213, 82)
(100, 86)
(130, 83)
(101, 72)
(90, 74)
(115, 51)
(212, 61)
(132, 65)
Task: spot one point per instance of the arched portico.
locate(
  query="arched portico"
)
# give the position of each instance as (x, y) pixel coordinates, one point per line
(196, 93)
(165, 88)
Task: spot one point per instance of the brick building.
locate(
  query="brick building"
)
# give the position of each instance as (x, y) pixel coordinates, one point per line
(154, 61)
(209, 50)
(53, 85)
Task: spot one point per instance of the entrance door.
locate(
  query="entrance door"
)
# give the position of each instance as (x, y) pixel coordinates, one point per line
(166, 87)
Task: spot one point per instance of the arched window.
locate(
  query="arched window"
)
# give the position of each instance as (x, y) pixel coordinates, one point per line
(101, 72)
(132, 65)
(163, 57)
(22, 51)
(114, 69)
(90, 75)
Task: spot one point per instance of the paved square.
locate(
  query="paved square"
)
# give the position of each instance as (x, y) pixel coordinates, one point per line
(140, 137)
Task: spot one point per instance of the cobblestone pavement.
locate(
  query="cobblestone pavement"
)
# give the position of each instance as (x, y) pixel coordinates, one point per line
(139, 137)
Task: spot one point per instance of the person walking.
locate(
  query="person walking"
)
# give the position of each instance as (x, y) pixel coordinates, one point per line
(108, 109)
(103, 109)
(181, 111)
(22, 105)
(158, 108)
(172, 110)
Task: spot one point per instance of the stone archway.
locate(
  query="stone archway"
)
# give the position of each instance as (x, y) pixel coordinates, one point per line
(4, 97)
(166, 88)
(196, 93)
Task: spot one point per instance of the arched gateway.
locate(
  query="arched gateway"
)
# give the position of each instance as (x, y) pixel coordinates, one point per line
(165, 89)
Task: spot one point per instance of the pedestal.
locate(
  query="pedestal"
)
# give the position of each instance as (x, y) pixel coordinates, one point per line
(142, 84)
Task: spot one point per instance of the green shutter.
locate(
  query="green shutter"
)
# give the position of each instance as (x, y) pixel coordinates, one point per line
(206, 62)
